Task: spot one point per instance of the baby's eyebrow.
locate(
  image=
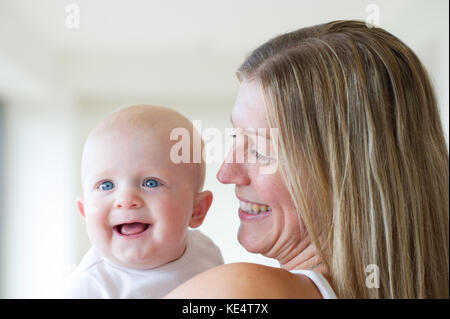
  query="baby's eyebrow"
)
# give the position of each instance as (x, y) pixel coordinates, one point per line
(98, 176)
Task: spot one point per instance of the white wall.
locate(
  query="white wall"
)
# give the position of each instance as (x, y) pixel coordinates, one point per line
(38, 231)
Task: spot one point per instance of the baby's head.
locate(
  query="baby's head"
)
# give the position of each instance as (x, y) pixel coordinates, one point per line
(137, 202)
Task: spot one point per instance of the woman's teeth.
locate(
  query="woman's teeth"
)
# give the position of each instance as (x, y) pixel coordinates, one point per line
(253, 208)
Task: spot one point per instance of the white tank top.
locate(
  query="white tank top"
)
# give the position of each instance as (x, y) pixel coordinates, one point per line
(319, 280)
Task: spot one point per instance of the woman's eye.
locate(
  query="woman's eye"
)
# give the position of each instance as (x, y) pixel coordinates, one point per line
(106, 186)
(261, 157)
(150, 182)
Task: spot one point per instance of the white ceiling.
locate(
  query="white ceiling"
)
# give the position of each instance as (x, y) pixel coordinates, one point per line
(230, 26)
(188, 48)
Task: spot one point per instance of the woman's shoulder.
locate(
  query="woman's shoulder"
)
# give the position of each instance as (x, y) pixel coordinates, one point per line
(246, 280)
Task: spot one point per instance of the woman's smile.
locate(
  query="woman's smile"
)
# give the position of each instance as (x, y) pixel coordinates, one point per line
(252, 211)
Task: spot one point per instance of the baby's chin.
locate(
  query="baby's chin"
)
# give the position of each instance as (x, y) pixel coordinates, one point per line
(140, 264)
(139, 260)
(136, 260)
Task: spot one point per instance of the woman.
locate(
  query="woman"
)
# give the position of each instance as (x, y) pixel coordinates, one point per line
(360, 197)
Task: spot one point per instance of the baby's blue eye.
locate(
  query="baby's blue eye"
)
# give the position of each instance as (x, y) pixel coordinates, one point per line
(151, 183)
(106, 186)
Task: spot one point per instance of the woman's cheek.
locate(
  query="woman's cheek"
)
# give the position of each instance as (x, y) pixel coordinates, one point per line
(272, 190)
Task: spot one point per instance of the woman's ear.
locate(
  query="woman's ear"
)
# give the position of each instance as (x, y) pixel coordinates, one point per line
(202, 202)
(80, 206)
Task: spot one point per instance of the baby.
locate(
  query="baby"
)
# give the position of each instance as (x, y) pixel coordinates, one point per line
(138, 205)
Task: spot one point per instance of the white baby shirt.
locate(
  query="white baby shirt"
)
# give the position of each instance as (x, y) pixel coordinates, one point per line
(97, 277)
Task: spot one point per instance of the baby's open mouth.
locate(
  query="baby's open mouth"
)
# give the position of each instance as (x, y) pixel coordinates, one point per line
(130, 229)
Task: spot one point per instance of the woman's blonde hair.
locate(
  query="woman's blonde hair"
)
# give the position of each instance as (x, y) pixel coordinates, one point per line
(355, 109)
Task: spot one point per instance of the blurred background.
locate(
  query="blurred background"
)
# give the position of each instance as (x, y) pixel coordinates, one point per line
(65, 64)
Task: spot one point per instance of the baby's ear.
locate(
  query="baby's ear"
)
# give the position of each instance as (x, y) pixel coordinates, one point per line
(80, 206)
(202, 202)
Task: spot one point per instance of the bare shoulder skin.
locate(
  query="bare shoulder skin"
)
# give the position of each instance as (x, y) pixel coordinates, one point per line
(246, 281)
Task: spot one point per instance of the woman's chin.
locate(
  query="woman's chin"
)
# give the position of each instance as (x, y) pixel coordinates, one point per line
(251, 243)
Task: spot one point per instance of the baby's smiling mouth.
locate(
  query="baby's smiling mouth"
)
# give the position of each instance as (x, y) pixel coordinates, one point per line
(131, 229)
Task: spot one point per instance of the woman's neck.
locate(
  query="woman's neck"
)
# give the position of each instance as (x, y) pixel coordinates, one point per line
(304, 256)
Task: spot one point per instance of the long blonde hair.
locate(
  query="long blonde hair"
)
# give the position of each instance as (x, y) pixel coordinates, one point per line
(354, 105)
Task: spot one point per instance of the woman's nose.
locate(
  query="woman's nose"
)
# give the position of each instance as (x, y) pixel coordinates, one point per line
(232, 172)
(128, 201)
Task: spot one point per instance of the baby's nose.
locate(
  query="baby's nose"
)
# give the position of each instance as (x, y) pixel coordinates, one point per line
(128, 202)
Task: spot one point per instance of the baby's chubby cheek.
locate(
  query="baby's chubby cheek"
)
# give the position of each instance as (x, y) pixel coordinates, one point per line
(172, 219)
(97, 222)
(95, 211)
